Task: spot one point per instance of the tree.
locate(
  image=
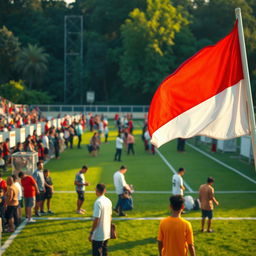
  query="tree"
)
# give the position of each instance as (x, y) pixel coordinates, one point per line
(148, 39)
(9, 49)
(32, 64)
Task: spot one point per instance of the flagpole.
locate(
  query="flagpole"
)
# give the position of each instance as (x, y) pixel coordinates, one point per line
(250, 108)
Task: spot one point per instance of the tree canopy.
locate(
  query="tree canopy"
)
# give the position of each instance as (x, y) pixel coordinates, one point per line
(129, 46)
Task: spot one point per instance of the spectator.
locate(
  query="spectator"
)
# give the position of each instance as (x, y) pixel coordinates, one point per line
(119, 147)
(2, 207)
(3, 184)
(175, 235)
(120, 185)
(30, 190)
(71, 135)
(66, 136)
(79, 133)
(40, 149)
(94, 144)
(38, 175)
(177, 182)
(130, 143)
(2, 163)
(101, 227)
(48, 190)
(46, 145)
(80, 188)
(12, 204)
(18, 148)
(56, 144)
(206, 197)
(6, 153)
(181, 145)
(20, 197)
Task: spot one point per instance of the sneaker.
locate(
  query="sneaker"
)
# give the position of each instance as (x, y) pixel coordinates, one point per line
(50, 212)
(31, 221)
(210, 231)
(38, 214)
(80, 212)
(122, 214)
(42, 212)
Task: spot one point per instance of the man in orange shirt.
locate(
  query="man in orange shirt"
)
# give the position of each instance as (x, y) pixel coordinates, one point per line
(206, 197)
(175, 235)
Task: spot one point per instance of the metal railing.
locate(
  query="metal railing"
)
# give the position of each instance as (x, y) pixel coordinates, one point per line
(95, 108)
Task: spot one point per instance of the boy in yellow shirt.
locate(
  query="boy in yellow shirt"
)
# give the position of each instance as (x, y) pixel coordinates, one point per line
(175, 235)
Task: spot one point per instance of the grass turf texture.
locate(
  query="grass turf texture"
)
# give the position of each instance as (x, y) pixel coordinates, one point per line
(145, 172)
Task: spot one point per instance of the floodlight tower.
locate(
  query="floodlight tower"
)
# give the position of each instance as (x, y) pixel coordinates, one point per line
(73, 55)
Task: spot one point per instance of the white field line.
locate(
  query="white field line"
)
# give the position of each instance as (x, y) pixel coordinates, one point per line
(141, 218)
(221, 163)
(9, 241)
(162, 192)
(172, 168)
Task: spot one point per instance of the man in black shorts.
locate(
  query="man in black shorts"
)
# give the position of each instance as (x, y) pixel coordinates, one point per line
(80, 188)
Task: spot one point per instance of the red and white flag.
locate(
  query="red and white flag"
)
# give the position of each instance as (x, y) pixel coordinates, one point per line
(204, 96)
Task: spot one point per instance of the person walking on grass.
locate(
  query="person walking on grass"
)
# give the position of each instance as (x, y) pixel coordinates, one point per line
(48, 190)
(38, 175)
(177, 182)
(80, 188)
(12, 203)
(120, 186)
(206, 197)
(119, 147)
(175, 234)
(101, 226)
(30, 190)
(130, 143)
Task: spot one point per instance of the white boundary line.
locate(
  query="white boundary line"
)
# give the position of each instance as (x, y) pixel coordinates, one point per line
(172, 168)
(9, 241)
(163, 192)
(142, 218)
(221, 163)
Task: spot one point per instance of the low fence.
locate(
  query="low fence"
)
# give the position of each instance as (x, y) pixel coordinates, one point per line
(20, 134)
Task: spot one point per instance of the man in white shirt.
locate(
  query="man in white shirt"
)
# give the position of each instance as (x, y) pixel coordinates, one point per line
(45, 141)
(120, 185)
(177, 182)
(101, 226)
(119, 147)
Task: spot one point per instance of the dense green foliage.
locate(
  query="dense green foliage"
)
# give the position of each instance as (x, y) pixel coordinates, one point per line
(129, 46)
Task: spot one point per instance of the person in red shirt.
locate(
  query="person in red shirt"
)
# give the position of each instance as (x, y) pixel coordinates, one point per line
(3, 184)
(6, 153)
(30, 190)
(46, 127)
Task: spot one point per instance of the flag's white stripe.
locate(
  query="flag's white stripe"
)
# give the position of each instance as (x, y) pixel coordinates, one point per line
(172, 168)
(221, 163)
(165, 192)
(223, 116)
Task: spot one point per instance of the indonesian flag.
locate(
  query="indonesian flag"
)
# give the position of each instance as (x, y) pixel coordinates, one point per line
(204, 96)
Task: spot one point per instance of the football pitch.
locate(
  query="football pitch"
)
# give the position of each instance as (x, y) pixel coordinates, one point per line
(66, 233)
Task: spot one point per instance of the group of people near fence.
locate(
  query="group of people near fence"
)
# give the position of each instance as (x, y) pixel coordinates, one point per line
(16, 116)
(26, 191)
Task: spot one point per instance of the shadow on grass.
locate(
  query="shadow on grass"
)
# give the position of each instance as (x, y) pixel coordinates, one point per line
(125, 245)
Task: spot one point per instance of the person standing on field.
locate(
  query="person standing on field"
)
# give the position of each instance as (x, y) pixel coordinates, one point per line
(120, 186)
(30, 190)
(101, 226)
(206, 197)
(80, 188)
(175, 234)
(177, 182)
(119, 147)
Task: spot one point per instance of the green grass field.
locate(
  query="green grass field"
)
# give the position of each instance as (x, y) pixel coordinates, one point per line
(146, 173)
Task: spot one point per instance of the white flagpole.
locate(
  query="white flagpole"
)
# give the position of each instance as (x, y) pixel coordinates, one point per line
(250, 108)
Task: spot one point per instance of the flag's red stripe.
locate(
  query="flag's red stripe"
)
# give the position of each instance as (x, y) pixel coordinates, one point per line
(207, 73)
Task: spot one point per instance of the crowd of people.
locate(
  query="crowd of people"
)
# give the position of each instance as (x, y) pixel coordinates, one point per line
(16, 116)
(175, 235)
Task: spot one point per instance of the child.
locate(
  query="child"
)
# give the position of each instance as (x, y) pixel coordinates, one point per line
(48, 190)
